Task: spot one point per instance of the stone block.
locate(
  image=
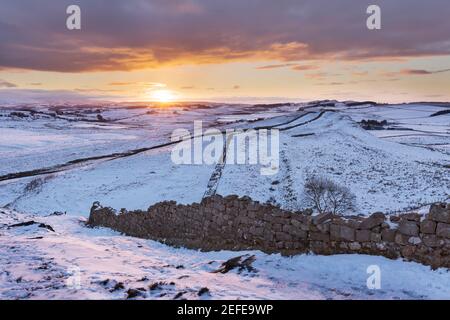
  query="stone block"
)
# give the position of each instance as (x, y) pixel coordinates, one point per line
(409, 228)
(354, 246)
(347, 233)
(414, 240)
(375, 237)
(411, 216)
(375, 220)
(282, 236)
(431, 240)
(322, 217)
(296, 223)
(335, 232)
(401, 239)
(388, 235)
(428, 227)
(443, 230)
(439, 213)
(363, 235)
(318, 236)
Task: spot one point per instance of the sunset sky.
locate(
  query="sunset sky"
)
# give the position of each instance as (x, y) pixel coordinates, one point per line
(230, 50)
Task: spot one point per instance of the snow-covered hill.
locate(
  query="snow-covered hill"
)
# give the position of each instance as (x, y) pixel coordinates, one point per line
(62, 159)
(401, 167)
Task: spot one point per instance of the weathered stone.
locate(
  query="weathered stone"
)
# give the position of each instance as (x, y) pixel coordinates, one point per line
(443, 230)
(439, 213)
(408, 251)
(277, 227)
(414, 240)
(428, 226)
(409, 228)
(375, 237)
(322, 217)
(411, 216)
(258, 231)
(241, 224)
(376, 219)
(287, 228)
(385, 225)
(299, 234)
(347, 233)
(335, 232)
(282, 236)
(352, 223)
(268, 235)
(324, 227)
(296, 223)
(401, 239)
(376, 229)
(431, 240)
(354, 246)
(388, 235)
(363, 235)
(318, 236)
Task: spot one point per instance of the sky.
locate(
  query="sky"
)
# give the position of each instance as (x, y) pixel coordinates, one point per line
(215, 50)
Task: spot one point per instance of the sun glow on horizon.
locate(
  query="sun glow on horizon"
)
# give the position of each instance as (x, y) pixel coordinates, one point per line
(162, 95)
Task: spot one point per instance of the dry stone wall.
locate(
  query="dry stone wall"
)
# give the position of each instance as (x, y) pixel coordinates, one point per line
(232, 223)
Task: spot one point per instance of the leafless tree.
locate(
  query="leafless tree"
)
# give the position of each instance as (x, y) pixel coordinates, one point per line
(326, 195)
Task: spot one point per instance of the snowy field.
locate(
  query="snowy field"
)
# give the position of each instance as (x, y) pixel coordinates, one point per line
(63, 158)
(75, 262)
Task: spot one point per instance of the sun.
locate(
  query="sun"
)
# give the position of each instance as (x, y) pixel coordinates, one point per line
(162, 95)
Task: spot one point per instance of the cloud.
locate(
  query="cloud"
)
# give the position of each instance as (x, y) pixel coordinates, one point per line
(293, 66)
(137, 34)
(393, 75)
(96, 91)
(317, 75)
(276, 66)
(331, 83)
(121, 83)
(304, 67)
(421, 71)
(360, 73)
(6, 84)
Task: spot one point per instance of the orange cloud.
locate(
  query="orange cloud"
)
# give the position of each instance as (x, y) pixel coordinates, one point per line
(304, 67)
(140, 34)
(421, 71)
(6, 84)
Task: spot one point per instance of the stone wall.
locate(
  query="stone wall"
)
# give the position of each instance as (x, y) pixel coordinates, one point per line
(233, 223)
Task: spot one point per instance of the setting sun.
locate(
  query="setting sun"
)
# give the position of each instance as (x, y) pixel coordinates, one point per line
(162, 95)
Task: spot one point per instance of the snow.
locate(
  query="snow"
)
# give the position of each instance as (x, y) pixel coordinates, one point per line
(42, 269)
(378, 171)
(388, 170)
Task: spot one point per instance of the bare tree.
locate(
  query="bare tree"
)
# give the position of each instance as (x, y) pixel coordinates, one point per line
(326, 195)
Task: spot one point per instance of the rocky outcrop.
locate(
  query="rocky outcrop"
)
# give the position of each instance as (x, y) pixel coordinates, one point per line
(232, 223)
